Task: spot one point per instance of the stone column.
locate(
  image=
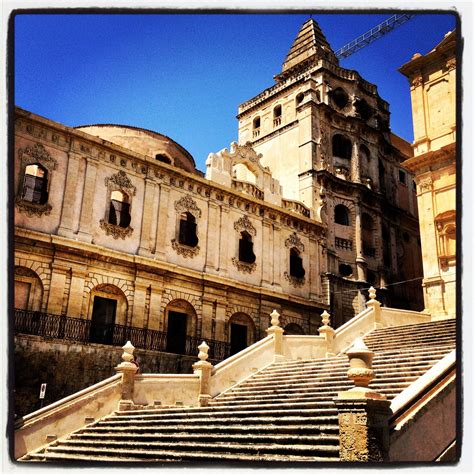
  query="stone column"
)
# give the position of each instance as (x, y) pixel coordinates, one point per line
(147, 218)
(360, 260)
(355, 163)
(56, 292)
(163, 222)
(155, 320)
(76, 292)
(267, 254)
(226, 233)
(328, 332)
(70, 195)
(88, 202)
(139, 296)
(213, 236)
(314, 269)
(203, 369)
(128, 370)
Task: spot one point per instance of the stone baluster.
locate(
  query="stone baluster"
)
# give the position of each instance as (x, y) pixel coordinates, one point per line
(277, 333)
(203, 368)
(376, 306)
(362, 412)
(328, 332)
(128, 370)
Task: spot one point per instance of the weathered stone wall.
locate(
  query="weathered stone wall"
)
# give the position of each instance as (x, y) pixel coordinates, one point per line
(67, 367)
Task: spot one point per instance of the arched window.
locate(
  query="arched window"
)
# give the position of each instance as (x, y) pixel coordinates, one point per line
(345, 270)
(163, 158)
(363, 109)
(368, 246)
(119, 211)
(277, 116)
(187, 230)
(340, 97)
(341, 215)
(180, 322)
(299, 98)
(341, 146)
(246, 248)
(296, 264)
(35, 184)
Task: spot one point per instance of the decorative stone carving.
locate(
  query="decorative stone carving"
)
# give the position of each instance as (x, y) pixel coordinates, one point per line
(294, 241)
(120, 182)
(184, 250)
(451, 64)
(32, 209)
(187, 204)
(244, 266)
(294, 281)
(37, 154)
(244, 224)
(426, 185)
(115, 230)
(417, 81)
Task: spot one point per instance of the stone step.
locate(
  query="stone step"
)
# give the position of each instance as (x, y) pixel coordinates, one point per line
(431, 325)
(291, 425)
(171, 456)
(405, 340)
(279, 437)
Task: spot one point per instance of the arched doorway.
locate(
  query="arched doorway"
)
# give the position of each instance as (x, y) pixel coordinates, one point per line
(180, 323)
(28, 291)
(241, 332)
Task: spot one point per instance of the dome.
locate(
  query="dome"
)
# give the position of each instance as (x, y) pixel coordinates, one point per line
(152, 144)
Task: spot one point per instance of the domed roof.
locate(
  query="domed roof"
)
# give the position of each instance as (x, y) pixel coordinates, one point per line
(154, 145)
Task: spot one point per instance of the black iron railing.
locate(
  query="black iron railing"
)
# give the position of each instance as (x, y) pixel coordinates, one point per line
(81, 330)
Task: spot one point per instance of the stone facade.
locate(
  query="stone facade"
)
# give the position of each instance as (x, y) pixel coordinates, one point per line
(305, 211)
(433, 95)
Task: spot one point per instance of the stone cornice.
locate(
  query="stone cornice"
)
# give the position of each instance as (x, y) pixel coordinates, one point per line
(443, 156)
(159, 267)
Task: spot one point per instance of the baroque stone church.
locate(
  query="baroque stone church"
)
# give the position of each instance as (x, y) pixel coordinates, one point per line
(119, 237)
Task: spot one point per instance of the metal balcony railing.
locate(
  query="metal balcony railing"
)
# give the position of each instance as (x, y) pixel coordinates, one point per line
(81, 330)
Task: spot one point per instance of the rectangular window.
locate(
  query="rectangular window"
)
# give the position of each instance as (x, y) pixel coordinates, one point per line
(402, 176)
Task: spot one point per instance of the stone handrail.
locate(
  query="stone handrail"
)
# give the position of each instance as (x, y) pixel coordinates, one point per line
(66, 415)
(296, 206)
(426, 406)
(242, 365)
(399, 317)
(358, 326)
(166, 390)
(304, 347)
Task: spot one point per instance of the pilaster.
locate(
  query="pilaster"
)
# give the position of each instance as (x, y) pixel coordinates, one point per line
(70, 194)
(267, 254)
(163, 222)
(139, 297)
(155, 320)
(213, 237)
(56, 292)
(88, 197)
(147, 218)
(76, 292)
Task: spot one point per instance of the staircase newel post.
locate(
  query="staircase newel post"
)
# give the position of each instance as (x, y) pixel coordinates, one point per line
(277, 333)
(328, 332)
(362, 412)
(376, 306)
(203, 368)
(128, 370)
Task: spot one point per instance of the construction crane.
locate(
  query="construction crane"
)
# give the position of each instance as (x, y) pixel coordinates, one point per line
(376, 32)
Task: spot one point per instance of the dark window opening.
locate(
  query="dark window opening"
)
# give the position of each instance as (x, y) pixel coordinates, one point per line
(246, 253)
(371, 278)
(256, 123)
(381, 175)
(299, 98)
(340, 97)
(341, 215)
(163, 158)
(363, 109)
(296, 264)
(119, 211)
(238, 338)
(341, 147)
(277, 111)
(406, 237)
(35, 184)
(345, 270)
(187, 230)
(176, 332)
(103, 320)
(414, 185)
(402, 177)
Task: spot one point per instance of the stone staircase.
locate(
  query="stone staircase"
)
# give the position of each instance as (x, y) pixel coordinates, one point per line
(283, 413)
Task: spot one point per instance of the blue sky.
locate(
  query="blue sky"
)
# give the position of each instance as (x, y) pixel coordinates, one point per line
(184, 75)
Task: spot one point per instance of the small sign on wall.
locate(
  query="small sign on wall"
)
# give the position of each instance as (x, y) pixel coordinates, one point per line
(42, 391)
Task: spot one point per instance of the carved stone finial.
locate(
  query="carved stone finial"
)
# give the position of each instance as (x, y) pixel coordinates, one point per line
(128, 349)
(203, 351)
(325, 318)
(360, 361)
(372, 293)
(275, 315)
